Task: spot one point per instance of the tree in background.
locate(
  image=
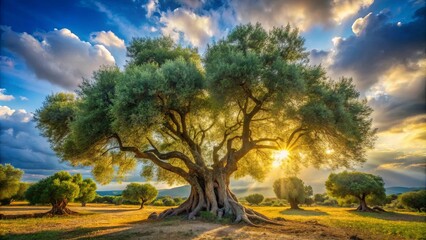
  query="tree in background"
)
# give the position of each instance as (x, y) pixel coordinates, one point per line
(415, 200)
(255, 198)
(309, 192)
(87, 191)
(292, 189)
(203, 123)
(356, 184)
(10, 178)
(58, 190)
(143, 193)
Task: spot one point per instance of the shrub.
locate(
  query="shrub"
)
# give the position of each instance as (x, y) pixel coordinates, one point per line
(255, 198)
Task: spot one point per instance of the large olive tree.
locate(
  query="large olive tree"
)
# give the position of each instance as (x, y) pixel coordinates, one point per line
(204, 122)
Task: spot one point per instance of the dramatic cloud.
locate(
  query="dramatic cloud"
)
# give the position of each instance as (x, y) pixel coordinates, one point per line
(379, 46)
(301, 13)
(22, 146)
(4, 97)
(59, 57)
(195, 29)
(387, 61)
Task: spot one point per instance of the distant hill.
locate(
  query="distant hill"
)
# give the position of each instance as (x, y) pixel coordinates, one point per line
(109, 193)
(399, 190)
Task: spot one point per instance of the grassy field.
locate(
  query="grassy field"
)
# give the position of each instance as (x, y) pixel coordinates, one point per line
(104, 221)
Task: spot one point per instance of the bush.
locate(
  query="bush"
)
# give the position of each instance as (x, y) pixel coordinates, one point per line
(168, 201)
(158, 202)
(414, 200)
(255, 198)
(118, 200)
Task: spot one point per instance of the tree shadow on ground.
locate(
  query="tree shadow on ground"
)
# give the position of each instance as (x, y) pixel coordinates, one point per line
(78, 233)
(303, 212)
(390, 216)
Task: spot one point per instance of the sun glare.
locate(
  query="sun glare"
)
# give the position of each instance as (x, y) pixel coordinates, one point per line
(279, 157)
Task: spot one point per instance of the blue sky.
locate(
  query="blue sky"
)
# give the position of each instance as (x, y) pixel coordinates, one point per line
(49, 46)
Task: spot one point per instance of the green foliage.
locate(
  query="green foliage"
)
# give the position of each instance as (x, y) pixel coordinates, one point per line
(291, 188)
(255, 198)
(167, 101)
(355, 184)
(308, 191)
(10, 178)
(143, 193)
(168, 201)
(59, 187)
(415, 200)
(104, 199)
(118, 200)
(87, 190)
(309, 201)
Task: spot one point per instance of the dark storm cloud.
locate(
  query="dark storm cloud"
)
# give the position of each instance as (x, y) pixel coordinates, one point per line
(22, 146)
(379, 46)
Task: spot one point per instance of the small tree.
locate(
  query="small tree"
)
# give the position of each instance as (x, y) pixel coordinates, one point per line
(255, 198)
(87, 191)
(308, 195)
(416, 200)
(57, 190)
(356, 184)
(9, 182)
(143, 193)
(292, 189)
(320, 198)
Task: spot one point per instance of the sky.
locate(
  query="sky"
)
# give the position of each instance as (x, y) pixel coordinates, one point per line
(50, 46)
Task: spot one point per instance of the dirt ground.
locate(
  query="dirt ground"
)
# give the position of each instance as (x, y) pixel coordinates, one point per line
(127, 222)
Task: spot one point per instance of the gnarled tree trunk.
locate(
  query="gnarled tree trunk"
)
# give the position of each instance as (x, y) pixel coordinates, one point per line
(83, 204)
(142, 204)
(211, 193)
(59, 207)
(363, 205)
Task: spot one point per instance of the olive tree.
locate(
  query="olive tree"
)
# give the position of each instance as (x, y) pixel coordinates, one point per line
(255, 198)
(206, 121)
(10, 178)
(87, 191)
(356, 184)
(143, 193)
(58, 190)
(415, 200)
(292, 189)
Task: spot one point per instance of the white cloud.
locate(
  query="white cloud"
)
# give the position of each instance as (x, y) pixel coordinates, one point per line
(108, 39)
(300, 13)
(195, 29)
(345, 8)
(23, 98)
(20, 115)
(150, 7)
(359, 25)
(59, 57)
(4, 97)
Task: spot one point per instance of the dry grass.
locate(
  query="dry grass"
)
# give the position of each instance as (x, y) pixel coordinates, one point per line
(105, 221)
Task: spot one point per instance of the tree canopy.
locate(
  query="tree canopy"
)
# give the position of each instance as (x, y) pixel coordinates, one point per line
(10, 178)
(357, 184)
(58, 190)
(87, 191)
(143, 193)
(292, 189)
(203, 121)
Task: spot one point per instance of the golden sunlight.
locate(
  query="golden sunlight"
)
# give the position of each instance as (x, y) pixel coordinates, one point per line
(279, 157)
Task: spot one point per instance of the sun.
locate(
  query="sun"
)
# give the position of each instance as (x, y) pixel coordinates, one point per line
(279, 157)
